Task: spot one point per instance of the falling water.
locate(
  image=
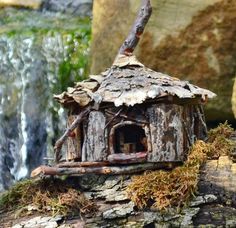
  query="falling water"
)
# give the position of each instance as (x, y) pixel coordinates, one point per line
(33, 53)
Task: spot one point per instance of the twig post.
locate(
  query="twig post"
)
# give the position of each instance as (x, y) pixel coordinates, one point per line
(132, 40)
(62, 139)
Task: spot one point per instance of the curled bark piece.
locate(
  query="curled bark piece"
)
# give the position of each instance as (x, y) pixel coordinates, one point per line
(132, 40)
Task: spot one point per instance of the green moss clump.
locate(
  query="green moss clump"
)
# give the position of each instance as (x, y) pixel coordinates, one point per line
(163, 189)
(50, 196)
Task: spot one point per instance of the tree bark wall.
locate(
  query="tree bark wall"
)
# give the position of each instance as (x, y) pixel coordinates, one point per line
(167, 132)
(73, 142)
(95, 141)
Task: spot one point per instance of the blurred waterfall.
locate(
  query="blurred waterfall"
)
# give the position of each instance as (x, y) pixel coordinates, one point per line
(33, 52)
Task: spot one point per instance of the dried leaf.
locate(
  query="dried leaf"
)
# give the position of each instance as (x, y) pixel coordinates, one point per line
(124, 60)
(98, 78)
(91, 85)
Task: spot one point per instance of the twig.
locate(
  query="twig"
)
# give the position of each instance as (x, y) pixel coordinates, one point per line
(122, 169)
(115, 115)
(201, 117)
(113, 159)
(62, 139)
(127, 117)
(132, 40)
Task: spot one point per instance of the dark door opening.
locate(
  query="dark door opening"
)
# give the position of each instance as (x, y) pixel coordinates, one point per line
(130, 139)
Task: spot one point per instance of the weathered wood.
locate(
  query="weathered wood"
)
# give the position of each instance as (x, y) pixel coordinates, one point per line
(124, 123)
(73, 141)
(136, 85)
(127, 117)
(114, 116)
(138, 27)
(129, 169)
(62, 139)
(113, 159)
(200, 128)
(95, 141)
(149, 138)
(188, 124)
(166, 125)
(128, 158)
(83, 164)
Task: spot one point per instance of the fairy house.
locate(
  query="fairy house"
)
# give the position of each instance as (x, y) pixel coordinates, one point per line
(140, 111)
(130, 114)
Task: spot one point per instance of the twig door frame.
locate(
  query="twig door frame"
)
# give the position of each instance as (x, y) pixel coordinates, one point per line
(111, 136)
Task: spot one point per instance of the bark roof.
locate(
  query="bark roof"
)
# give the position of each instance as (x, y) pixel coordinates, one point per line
(128, 82)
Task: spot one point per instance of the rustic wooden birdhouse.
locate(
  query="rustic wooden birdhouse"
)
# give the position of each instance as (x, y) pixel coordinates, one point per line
(140, 111)
(131, 114)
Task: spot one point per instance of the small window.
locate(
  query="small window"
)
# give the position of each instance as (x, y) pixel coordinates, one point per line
(130, 139)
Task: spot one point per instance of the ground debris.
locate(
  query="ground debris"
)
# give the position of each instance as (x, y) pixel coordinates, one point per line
(49, 196)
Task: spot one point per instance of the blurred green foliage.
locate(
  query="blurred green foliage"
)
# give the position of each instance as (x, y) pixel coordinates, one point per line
(75, 32)
(75, 66)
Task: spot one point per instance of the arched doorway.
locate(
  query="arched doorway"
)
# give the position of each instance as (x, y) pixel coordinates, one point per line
(128, 138)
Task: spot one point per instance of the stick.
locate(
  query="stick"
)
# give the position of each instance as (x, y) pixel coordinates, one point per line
(132, 40)
(127, 117)
(128, 169)
(62, 139)
(121, 158)
(113, 159)
(115, 115)
(71, 164)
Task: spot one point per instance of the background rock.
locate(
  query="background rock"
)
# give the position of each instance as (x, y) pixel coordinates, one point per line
(192, 40)
(74, 7)
(32, 4)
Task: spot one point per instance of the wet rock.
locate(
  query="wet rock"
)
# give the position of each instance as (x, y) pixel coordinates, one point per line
(121, 211)
(17, 226)
(44, 220)
(116, 196)
(203, 200)
(51, 225)
(91, 182)
(187, 220)
(210, 198)
(75, 7)
(40, 222)
(150, 217)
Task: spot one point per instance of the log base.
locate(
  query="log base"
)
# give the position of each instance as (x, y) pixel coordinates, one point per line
(80, 169)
